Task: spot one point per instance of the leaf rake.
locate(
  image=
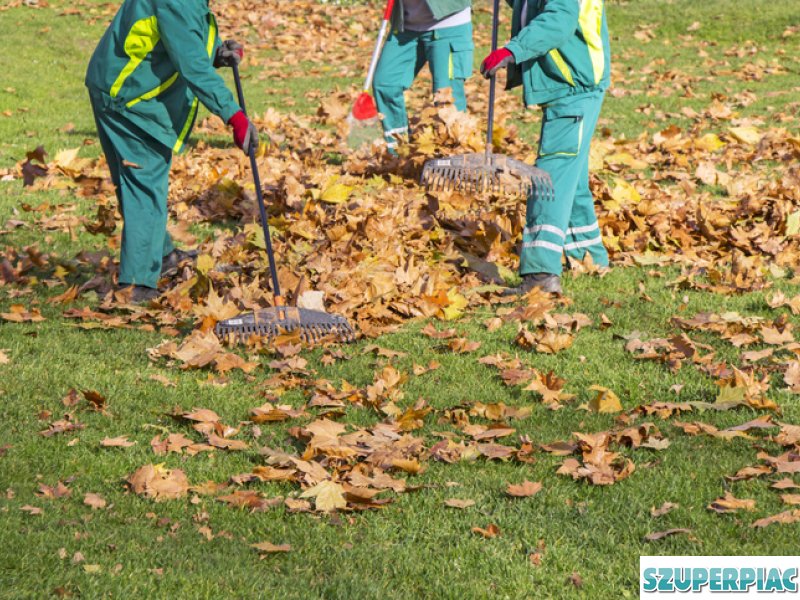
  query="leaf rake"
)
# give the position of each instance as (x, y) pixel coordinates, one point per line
(314, 325)
(487, 171)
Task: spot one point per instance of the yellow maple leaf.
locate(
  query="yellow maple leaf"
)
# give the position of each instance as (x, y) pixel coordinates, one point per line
(328, 496)
(335, 193)
(746, 135)
(455, 308)
(605, 401)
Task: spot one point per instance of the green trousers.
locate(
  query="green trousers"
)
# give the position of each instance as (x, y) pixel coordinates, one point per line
(139, 168)
(568, 225)
(447, 51)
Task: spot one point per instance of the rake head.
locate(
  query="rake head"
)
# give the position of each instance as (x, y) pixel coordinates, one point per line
(314, 325)
(487, 173)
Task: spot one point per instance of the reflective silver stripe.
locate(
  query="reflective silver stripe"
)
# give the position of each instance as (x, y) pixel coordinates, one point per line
(584, 243)
(549, 228)
(543, 244)
(396, 130)
(583, 229)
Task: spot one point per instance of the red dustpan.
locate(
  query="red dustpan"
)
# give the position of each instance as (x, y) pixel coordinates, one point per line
(363, 119)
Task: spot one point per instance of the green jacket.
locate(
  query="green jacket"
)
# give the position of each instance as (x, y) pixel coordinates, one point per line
(561, 49)
(154, 62)
(439, 8)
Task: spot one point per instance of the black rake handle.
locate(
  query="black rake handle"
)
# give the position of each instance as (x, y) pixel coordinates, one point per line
(492, 82)
(273, 270)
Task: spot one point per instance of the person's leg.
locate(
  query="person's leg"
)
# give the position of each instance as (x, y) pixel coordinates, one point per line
(583, 233)
(450, 55)
(112, 158)
(394, 75)
(562, 145)
(143, 175)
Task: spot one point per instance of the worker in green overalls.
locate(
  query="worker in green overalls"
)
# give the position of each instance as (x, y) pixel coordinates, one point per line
(437, 32)
(559, 52)
(153, 65)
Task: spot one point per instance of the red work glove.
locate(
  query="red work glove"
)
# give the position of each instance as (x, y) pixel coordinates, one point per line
(245, 134)
(498, 59)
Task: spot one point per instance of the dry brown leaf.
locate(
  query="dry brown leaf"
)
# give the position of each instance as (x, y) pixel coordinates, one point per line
(268, 548)
(654, 537)
(728, 504)
(490, 531)
(525, 489)
(159, 483)
(95, 501)
(459, 503)
(117, 442)
(663, 509)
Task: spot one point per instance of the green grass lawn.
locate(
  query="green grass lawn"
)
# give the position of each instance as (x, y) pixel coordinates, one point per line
(416, 546)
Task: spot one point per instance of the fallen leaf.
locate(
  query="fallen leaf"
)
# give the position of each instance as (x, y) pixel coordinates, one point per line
(728, 504)
(328, 496)
(269, 548)
(605, 400)
(653, 537)
(524, 489)
(459, 503)
(117, 442)
(95, 501)
(490, 531)
(663, 509)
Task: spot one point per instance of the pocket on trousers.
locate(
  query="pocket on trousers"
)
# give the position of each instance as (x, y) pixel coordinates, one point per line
(461, 58)
(562, 134)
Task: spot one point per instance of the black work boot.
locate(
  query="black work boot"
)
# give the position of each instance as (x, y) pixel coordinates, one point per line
(140, 294)
(171, 262)
(547, 282)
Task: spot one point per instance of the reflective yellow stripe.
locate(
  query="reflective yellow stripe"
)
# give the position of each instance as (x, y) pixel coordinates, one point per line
(451, 68)
(154, 92)
(140, 41)
(186, 126)
(212, 36)
(591, 24)
(562, 66)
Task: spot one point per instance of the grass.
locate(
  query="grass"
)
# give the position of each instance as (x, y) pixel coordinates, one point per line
(416, 547)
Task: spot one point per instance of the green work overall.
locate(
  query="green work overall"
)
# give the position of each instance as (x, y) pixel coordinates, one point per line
(447, 51)
(562, 60)
(146, 77)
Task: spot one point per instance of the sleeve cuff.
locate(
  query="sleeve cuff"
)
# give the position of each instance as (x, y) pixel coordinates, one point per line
(228, 112)
(516, 50)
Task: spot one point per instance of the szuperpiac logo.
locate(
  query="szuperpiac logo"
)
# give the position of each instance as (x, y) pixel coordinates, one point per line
(719, 576)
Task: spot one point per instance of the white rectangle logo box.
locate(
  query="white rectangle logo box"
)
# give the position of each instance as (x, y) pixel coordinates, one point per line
(719, 576)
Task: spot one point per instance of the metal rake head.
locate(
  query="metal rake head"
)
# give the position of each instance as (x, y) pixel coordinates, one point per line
(314, 325)
(487, 173)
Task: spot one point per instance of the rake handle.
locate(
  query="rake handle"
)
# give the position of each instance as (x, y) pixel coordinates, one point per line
(273, 270)
(376, 52)
(492, 85)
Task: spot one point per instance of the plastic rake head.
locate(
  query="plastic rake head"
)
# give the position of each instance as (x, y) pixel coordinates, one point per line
(364, 107)
(495, 173)
(314, 326)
